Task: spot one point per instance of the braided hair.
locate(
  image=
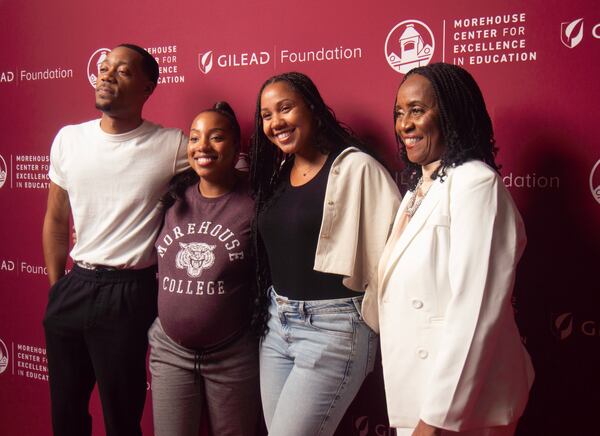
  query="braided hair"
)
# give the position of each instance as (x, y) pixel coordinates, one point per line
(268, 163)
(465, 124)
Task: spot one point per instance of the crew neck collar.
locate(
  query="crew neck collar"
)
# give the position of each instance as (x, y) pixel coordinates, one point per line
(121, 137)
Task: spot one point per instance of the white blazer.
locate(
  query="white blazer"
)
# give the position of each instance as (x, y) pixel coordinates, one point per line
(452, 354)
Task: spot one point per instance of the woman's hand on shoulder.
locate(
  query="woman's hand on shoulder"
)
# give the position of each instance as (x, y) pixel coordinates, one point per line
(424, 429)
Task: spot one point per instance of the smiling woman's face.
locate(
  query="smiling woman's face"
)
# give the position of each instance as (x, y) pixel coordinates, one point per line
(417, 121)
(212, 146)
(287, 120)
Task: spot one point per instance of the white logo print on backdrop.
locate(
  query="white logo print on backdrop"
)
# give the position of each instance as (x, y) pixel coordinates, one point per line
(595, 181)
(409, 44)
(94, 64)
(3, 171)
(205, 61)
(571, 33)
(3, 357)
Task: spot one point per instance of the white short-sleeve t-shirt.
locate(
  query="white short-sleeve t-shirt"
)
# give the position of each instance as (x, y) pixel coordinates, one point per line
(114, 184)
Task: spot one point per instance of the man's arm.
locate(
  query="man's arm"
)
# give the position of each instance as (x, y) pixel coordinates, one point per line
(55, 234)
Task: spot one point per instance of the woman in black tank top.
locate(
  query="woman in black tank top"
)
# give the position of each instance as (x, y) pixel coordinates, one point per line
(310, 178)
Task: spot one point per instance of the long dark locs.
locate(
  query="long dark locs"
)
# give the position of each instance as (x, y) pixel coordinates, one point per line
(465, 124)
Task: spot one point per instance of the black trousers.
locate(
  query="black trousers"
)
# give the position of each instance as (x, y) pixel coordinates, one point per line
(96, 327)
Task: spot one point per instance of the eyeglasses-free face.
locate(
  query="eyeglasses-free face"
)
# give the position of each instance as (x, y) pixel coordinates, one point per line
(417, 120)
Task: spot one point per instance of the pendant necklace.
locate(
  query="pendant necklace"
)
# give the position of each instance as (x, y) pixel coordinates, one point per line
(416, 199)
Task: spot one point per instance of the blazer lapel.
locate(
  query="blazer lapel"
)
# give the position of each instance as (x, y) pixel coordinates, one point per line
(413, 227)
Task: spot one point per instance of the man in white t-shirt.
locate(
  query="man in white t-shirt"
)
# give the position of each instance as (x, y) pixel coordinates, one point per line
(109, 174)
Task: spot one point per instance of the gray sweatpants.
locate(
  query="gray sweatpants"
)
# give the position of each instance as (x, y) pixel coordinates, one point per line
(182, 379)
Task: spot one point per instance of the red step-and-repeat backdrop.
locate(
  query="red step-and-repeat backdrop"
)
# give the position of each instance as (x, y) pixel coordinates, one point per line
(537, 63)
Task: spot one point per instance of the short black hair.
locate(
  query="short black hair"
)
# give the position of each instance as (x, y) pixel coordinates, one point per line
(149, 64)
(464, 121)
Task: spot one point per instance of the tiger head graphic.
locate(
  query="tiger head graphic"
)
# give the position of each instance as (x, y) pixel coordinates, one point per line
(195, 257)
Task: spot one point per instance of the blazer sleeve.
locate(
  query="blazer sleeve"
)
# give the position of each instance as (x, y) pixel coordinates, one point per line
(379, 201)
(487, 239)
(360, 204)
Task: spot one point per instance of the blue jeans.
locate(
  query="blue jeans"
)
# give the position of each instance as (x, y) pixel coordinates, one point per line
(312, 363)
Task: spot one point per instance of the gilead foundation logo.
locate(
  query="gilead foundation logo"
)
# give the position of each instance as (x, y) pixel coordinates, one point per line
(571, 33)
(94, 63)
(409, 44)
(361, 424)
(3, 171)
(3, 357)
(205, 61)
(563, 325)
(209, 59)
(576, 324)
(594, 181)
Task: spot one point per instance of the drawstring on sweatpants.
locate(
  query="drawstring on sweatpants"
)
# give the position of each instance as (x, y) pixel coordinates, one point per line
(208, 350)
(197, 358)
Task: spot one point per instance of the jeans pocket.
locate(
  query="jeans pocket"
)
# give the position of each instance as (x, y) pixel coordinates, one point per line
(338, 324)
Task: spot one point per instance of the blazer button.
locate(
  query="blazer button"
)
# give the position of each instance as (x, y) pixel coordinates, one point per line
(422, 353)
(330, 202)
(417, 304)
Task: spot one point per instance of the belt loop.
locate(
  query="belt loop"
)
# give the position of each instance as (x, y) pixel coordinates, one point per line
(282, 317)
(358, 305)
(302, 309)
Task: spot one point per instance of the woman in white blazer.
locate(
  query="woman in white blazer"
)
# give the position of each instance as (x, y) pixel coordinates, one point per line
(453, 359)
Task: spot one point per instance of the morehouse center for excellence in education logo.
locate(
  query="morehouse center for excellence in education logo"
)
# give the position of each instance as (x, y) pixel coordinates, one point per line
(94, 64)
(3, 171)
(594, 181)
(409, 44)
(3, 357)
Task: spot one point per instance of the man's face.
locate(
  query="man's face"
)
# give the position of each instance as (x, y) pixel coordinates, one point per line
(122, 87)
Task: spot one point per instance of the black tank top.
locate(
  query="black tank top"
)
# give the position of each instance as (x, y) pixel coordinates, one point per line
(289, 228)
